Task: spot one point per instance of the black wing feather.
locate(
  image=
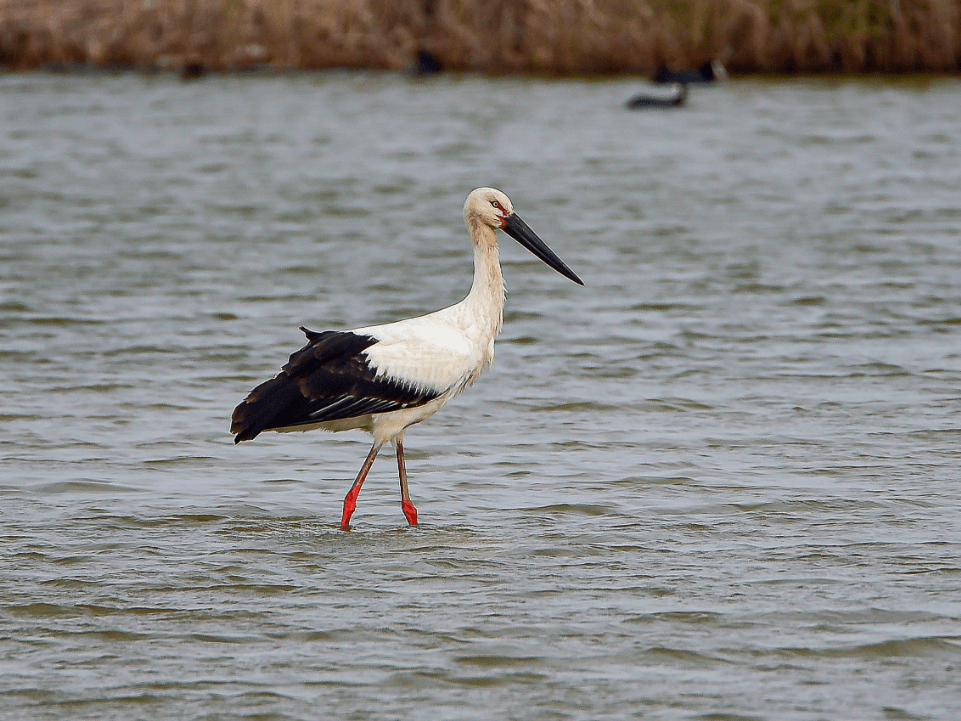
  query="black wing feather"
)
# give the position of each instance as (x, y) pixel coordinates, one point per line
(328, 379)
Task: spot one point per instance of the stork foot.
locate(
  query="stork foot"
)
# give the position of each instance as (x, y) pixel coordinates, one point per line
(410, 512)
(350, 502)
(350, 505)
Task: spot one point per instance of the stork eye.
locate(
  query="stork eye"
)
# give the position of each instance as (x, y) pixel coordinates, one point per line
(496, 204)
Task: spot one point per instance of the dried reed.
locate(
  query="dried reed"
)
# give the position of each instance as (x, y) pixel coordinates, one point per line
(494, 36)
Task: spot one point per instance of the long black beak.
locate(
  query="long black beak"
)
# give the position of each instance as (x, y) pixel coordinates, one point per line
(522, 233)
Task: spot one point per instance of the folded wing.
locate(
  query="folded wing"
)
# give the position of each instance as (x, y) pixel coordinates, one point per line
(331, 378)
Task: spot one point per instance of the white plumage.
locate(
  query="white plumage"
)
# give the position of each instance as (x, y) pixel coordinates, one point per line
(385, 378)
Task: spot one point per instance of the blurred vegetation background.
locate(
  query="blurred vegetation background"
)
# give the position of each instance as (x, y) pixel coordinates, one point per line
(562, 37)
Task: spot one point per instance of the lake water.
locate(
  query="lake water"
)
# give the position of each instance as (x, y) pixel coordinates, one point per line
(722, 481)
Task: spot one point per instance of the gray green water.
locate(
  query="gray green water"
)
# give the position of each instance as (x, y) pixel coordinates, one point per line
(720, 482)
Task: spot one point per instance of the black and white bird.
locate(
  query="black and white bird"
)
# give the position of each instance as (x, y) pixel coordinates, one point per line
(385, 378)
(709, 72)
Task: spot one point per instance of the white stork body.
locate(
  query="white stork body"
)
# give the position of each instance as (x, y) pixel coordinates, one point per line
(384, 378)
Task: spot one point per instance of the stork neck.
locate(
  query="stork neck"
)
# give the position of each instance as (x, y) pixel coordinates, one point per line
(487, 292)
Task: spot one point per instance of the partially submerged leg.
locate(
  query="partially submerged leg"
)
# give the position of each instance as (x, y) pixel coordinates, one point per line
(405, 503)
(350, 502)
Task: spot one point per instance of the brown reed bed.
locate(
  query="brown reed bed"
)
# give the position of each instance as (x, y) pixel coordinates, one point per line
(491, 36)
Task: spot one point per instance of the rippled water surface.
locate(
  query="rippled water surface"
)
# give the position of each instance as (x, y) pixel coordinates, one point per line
(719, 482)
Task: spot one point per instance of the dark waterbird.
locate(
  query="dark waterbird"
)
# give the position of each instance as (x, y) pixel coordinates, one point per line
(427, 64)
(708, 73)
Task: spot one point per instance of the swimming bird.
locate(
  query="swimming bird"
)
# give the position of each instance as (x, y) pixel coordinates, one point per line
(427, 63)
(385, 378)
(709, 72)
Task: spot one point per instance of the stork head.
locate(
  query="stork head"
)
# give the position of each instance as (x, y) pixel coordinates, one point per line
(490, 207)
(487, 205)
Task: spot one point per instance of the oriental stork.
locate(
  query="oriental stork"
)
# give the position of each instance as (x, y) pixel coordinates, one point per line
(385, 378)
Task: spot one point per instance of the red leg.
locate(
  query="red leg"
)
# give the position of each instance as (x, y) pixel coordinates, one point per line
(350, 502)
(405, 503)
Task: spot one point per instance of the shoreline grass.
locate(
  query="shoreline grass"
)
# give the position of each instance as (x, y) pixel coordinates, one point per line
(545, 37)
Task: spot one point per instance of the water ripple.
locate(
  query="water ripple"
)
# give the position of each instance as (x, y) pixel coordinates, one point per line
(718, 482)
